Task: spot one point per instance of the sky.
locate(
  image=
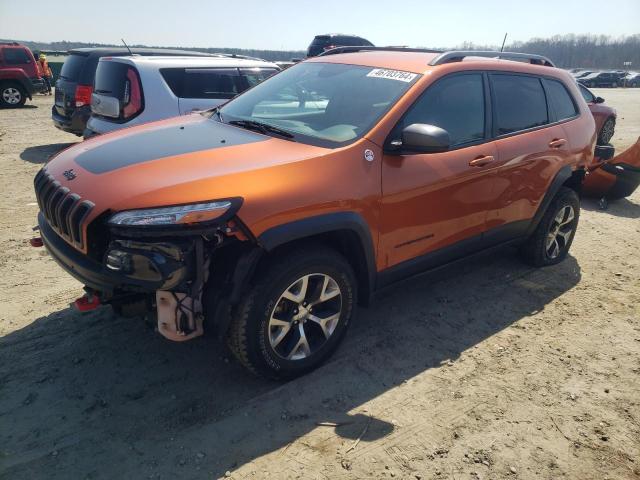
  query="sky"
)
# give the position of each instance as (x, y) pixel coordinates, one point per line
(292, 24)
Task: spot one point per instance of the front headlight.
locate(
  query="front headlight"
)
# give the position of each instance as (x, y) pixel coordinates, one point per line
(178, 215)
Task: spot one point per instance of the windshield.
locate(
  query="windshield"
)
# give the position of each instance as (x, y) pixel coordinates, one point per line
(323, 104)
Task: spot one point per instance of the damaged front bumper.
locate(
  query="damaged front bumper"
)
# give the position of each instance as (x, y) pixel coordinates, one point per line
(129, 265)
(614, 178)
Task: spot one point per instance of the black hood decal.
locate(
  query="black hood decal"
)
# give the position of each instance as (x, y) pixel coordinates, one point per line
(161, 142)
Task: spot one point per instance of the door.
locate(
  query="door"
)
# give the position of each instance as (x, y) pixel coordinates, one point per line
(532, 146)
(204, 88)
(431, 201)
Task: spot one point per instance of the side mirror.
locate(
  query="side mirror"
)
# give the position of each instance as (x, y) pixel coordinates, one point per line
(422, 138)
(599, 100)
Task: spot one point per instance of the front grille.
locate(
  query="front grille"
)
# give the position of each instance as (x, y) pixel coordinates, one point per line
(65, 211)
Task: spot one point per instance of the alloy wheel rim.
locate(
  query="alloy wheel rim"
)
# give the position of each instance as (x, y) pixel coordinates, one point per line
(305, 316)
(11, 95)
(560, 232)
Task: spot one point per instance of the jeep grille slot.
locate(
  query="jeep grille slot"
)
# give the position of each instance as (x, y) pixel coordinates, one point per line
(64, 211)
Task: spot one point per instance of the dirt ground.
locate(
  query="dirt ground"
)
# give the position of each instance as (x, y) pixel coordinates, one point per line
(489, 369)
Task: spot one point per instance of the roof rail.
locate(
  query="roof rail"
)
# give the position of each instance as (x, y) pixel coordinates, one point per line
(352, 49)
(458, 55)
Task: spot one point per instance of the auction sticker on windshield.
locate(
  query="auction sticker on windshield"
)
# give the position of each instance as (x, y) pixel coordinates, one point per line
(392, 74)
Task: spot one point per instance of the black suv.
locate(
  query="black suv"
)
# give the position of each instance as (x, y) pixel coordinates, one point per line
(322, 43)
(601, 79)
(74, 86)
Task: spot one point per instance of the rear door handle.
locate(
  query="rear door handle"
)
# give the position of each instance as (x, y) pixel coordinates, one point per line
(481, 161)
(557, 143)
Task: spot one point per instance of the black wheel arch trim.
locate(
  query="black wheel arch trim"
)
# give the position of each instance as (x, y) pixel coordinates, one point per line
(564, 174)
(328, 223)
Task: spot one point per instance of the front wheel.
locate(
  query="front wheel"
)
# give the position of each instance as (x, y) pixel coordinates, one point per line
(552, 239)
(296, 313)
(606, 132)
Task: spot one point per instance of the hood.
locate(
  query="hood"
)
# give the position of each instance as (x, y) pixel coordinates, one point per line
(181, 160)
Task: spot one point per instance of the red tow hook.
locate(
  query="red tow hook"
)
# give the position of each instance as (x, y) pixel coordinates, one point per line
(87, 302)
(36, 242)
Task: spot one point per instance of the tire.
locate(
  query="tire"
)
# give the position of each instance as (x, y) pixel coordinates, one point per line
(560, 220)
(265, 334)
(12, 95)
(606, 132)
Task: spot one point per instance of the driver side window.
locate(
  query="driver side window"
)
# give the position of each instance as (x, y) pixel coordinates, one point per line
(455, 104)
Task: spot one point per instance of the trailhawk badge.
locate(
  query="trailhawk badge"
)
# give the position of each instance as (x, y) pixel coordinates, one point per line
(368, 155)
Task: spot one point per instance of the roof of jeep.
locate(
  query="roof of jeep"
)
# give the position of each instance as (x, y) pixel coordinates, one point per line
(418, 62)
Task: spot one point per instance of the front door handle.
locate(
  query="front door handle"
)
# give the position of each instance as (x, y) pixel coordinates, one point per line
(481, 161)
(557, 143)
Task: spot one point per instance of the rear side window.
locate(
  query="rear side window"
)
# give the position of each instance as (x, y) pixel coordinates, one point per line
(455, 104)
(560, 99)
(15, 56)
(254, 76)
(203, 82)
(72, 67)
(520, 103)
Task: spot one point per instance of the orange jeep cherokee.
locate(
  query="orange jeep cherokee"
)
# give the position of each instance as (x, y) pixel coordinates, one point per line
(267, 220)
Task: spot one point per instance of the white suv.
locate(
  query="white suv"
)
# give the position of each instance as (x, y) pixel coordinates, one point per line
(132, 90)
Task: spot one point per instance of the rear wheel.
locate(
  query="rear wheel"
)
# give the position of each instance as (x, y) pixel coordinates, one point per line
(606, 132)
(552, 239)
(12, 95)
(296, 313)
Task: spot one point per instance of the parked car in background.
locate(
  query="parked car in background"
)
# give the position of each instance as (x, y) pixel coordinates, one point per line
(270, 219)
(632, 79)
(601, 79)
(581, 73)
(321, 43)
(20, 76)
(74, 85)
(604, 115)
(134, 90)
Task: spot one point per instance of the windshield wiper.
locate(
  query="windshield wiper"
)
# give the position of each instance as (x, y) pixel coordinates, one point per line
(261, 127)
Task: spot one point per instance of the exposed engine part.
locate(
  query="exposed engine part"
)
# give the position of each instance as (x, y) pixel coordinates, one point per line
(180, 318)
(180, 315)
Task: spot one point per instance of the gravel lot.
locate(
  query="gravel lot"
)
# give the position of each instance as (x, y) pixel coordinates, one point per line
(486, 370)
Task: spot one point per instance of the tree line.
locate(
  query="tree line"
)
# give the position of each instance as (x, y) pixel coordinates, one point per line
(575, 51)
(567, 51)
(270, 55)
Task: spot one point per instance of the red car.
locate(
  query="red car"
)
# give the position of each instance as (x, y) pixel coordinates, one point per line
(604, 115)
(20, 76)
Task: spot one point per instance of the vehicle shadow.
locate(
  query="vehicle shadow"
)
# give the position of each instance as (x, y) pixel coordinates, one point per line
(98, 396)
(42, 153)
(619, 208)
(26, 105)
